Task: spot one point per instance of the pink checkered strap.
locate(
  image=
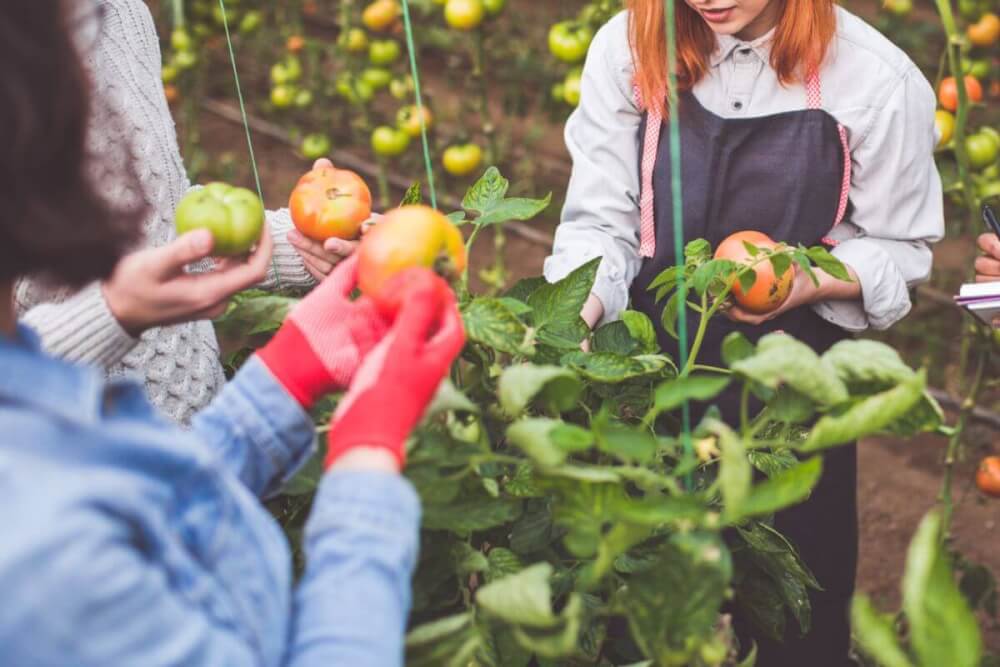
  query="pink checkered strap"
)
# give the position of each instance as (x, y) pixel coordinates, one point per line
(814, 100)
(814, 91)
(650, 149)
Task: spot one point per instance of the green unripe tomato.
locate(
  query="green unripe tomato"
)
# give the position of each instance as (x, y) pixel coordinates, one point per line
(462, 160)
(401, 89)
(314, 146)
(464, 14)
(571, 89)
(251, 22)
(282, 96)
(235, 216)
(180, 40)
(982, 149)
(303, 99)
(559, 92)
(384, 52)
(569, 41)
(169, 73)
(184, 60)
(494, 7)
(389, 141)
(355, 40)
(376, 77)
(899, 8)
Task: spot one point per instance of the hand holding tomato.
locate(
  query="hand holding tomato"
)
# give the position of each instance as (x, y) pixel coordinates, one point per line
(150, 288)
(803, 293)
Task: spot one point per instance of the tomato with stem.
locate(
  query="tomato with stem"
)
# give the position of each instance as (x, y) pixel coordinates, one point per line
(768, 291)
(570, 40)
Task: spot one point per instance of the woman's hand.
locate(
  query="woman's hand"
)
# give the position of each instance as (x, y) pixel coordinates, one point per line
(988, 265)
(150, 288)
(804, 292)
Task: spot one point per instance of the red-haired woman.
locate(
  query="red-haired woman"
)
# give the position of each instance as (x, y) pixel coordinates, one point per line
(799, 120)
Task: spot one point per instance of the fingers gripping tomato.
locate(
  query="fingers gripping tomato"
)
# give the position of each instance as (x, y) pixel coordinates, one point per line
(988, 476)
(330, 203)
(411, 236)
(235, 216)
(768, 291)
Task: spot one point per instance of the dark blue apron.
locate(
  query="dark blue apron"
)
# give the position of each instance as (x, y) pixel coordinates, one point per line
(783, 175)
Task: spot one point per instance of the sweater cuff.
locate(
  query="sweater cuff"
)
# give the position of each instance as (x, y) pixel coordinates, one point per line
(81, 329)
(286, 269)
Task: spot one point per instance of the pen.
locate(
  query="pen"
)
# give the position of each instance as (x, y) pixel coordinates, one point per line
(990, 217)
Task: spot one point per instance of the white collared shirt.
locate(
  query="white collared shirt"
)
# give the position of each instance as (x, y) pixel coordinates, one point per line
(869, 85)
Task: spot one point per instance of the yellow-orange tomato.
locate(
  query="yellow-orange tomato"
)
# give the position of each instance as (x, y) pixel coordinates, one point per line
(330, 203)
(948, 92)
(988, 476)
(945, 122)
(295, 43)
(380, 15)
(768, 291)
(986, 31)
(404, 238)
(171, 92)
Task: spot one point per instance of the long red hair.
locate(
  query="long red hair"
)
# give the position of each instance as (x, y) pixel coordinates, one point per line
(801, 39)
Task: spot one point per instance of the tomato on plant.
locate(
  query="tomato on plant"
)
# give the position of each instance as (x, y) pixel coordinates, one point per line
(948, 92)
(169, 73)
(986, 31)
(171, 92)
(295, 43)
(314, 146)
(401, 88)
(303, 99)
(945, 123)
(235, 216)
(384, 52)
(380, 15)
(768, 291)
(464, 14)
(569, 41)
(571, 88)
(462, 160)
(898, 7)
(408, 119)
(982, 149)
(411, 236)
(376, 77)
(251, 22)
(389, 142)
(355, 40)
(180, 40)
(330, 203)
(494, 7)
(283, 96)
(988, 476)
(184, 60)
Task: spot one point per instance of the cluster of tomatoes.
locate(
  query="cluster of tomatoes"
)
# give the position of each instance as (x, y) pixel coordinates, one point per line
(335, 203)
(569, 42)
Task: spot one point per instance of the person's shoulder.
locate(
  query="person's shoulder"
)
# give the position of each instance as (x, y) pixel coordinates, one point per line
(860, 48)
(611, 43)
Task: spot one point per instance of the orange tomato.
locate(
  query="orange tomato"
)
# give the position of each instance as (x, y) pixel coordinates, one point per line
(295, 43)
(948, 92)
(310, 8)
(411, 236)
(986, 31)
(768, 291)
(380, 15)
(988, 476)
(330, 203)
(172, 93)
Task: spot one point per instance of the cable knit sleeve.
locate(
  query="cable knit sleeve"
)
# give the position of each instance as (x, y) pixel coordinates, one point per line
(287, 269)
(81, 329)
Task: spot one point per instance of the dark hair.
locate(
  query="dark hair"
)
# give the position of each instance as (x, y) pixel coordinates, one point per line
(53, 221)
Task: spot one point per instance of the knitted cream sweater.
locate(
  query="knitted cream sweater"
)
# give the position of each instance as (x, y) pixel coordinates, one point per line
(179, 364)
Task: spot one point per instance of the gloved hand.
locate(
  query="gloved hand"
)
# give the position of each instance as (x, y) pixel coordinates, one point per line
(399, 378)
(324, 338)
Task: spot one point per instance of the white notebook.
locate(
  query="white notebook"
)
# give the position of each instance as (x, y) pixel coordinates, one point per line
(981, 299)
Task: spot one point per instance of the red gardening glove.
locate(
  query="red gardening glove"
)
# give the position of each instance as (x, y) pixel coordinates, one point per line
(324, 338)
(399, 378)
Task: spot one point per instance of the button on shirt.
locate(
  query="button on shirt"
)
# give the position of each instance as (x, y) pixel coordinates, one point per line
(869, 85)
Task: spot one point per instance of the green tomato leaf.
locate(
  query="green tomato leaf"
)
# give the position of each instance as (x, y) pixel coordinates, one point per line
(782, 360)
(524, 288)
(641, 329)
(672, 394)
(943, 630)
(627, 443)
(669, 317)
(557, 642)
(822, 258)
(466, 517)
(780, 262)
(548, 441)
(487, 192)
(666, 279)
(490, 322)
(429, 634)
(552, 386)
(869, 416)
(457, 218)
(307, 479)
(450, 399)
(517, 208)
(614, 337)
(502, 563)
(867, 366)
(252, 313)
(534, 531)
(736, 347)
(524, 598)
(876, 634)
(697, 252)
(413, 195)
(487, 197)
(785, 489)
(556, 307)
(467, 559)
(612, 368)
(735, 473)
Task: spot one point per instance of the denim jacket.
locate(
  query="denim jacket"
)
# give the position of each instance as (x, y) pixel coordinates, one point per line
(129, 542)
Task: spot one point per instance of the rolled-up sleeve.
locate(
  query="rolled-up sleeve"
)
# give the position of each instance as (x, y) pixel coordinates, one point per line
(601, 215)
(898, 209)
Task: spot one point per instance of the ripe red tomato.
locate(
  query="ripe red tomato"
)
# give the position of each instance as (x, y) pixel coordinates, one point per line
(988, 476)
(948, 92)
(330, 203)
(768, 291)
(408, 237)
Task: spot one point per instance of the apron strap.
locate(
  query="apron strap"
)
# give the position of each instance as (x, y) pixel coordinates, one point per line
(650, 150)
(814, 100)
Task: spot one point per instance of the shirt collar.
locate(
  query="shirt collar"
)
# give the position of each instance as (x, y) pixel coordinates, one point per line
(728, 43)
(30, 377)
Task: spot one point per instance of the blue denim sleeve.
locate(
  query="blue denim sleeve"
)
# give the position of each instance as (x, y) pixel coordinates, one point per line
(261, 433)
(361, 548)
